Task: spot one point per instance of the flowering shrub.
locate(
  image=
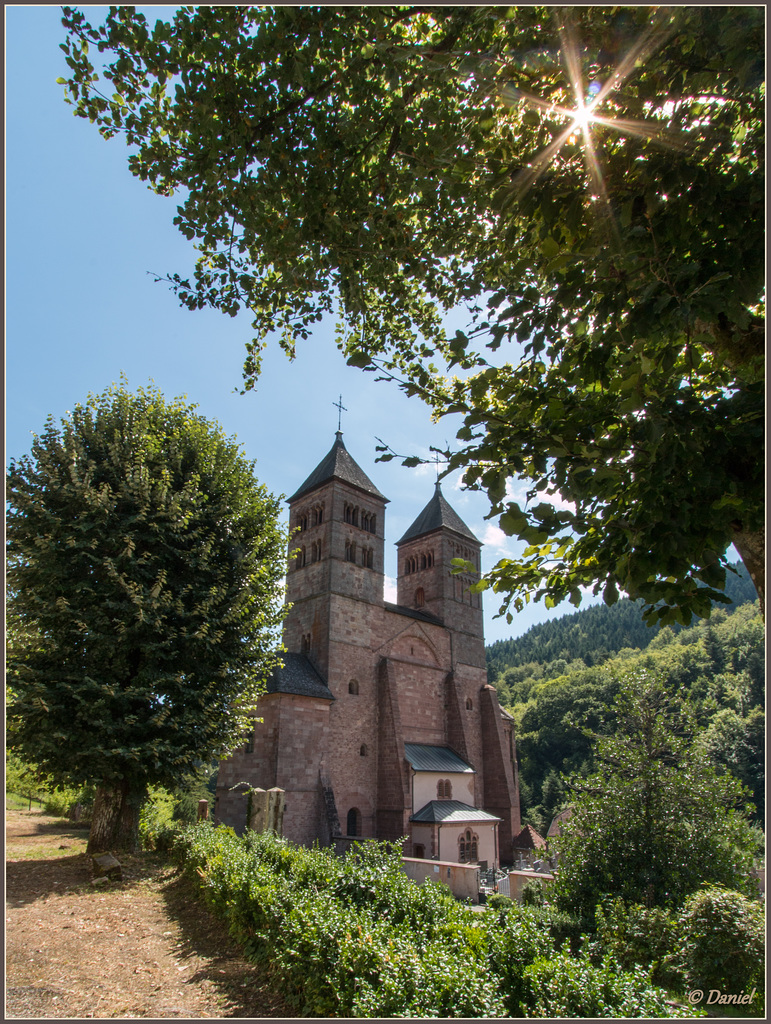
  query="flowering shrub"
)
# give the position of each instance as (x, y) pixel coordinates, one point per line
(722, 943)
(354, 937)
(565, 986)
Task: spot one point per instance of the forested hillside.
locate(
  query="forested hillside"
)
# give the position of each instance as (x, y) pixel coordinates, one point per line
(597, 632)
(719, 665)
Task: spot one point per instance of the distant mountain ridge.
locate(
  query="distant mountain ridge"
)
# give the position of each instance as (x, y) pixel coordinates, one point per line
(596, 633)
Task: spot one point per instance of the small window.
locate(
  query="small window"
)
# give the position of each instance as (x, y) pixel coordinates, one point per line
(444, 789)
(363, 750)
(353, 686)
(372, 526)
(249, 748)
(353, 822)
(469, 704)
(306, 643)
(350, 552)
(420, 597)
(419, 851)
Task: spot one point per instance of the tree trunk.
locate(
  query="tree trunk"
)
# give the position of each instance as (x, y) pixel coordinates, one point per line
(115, 818)
(751, 545)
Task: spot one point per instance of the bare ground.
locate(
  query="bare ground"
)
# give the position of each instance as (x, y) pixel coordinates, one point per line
(142, 947)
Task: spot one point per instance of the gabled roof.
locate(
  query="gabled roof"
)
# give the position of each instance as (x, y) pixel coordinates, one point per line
(452, 811)
(413, 613)
(337, 464)
(425, 758)
(528, 839)
(437, 515)
(300, 677)
(555, 828)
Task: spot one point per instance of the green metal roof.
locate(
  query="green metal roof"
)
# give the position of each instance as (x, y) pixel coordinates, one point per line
(425, 758)
(451, 811)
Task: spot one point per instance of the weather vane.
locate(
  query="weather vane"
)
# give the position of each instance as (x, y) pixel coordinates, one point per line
(340, 410)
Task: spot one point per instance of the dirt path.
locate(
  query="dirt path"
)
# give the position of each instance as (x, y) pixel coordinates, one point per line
(143, 947)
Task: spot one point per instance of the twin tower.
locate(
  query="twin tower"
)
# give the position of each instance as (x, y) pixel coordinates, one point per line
(381, 723)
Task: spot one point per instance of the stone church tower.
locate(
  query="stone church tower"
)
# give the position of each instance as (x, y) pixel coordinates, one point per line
(381, 722)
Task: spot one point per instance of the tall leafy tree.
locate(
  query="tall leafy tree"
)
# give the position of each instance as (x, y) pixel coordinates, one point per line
(145, 568)
(588, 182)
(655, 819)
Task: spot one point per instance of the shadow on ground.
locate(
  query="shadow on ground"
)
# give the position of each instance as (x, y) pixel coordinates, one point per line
(243, 984)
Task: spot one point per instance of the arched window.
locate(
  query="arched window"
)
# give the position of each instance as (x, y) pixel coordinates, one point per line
(420, 597)
(249, 748)
(306, 643)
(368, 557)
(423, 562)
(301, 557)
(353, 686)
(363, 750)
(468, 847)
(469, 704)
(303, 522)
(353, 822)
(350, 551)
(372, 526)
(419, 851)
(444, 789)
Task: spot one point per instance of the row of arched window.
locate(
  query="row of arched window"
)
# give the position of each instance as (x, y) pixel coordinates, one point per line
(423, 560)
(464, 595)
(359, 517)
(460, 551)
(444, 789)
(311, 517)
(366, 556)
(302, 554)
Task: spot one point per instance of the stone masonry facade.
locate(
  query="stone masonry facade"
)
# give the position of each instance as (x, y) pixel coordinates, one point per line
(362, 677)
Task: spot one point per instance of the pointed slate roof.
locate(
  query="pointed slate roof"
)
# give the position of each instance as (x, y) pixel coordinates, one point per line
(298, 676)
(337, 464)
(436, 515)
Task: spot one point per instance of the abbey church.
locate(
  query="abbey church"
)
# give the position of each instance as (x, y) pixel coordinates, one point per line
(381, 723)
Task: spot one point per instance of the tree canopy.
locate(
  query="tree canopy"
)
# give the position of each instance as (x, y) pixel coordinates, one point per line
(587, 183)
(655, 819)
(145, 566)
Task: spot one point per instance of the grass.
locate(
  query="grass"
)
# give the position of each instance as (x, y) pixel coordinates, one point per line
(14, 802)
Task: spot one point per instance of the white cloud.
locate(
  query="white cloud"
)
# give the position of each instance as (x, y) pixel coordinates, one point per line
(389, 589)
(495, 540)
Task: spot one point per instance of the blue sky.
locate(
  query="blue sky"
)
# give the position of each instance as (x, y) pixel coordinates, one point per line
(82, 238)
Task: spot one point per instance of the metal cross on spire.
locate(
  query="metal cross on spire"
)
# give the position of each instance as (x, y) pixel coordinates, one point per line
(340, 410)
